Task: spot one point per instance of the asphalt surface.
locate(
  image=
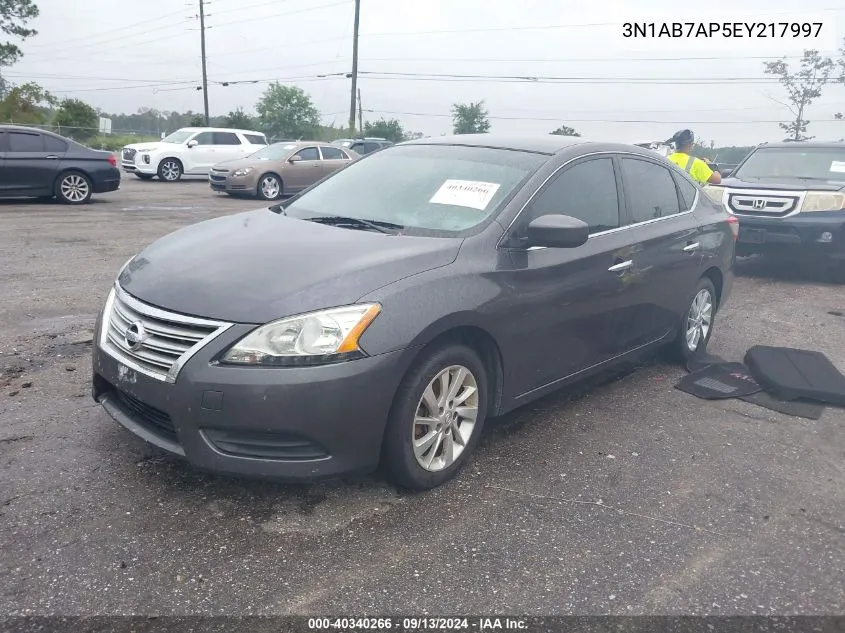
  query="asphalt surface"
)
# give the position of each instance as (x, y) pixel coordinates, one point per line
(623, 497)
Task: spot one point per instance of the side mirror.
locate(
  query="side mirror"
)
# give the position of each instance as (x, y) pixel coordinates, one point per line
(295, 158)
(193, 142)
(558, 231)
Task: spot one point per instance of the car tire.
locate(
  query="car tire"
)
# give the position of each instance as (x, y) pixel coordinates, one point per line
(421, 390)
(73, 187)
(696, 326)
(144, 176)
(170, 170)
(270, 187)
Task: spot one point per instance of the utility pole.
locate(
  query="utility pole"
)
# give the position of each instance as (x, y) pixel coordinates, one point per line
(354, 92)
(204, 71)
(360, 114)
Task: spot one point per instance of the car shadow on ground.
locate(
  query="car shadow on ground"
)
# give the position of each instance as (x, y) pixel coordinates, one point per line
(794, 271)
(49, 202)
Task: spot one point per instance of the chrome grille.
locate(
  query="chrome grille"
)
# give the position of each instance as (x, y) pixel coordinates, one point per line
(762, 204)
(152, 341)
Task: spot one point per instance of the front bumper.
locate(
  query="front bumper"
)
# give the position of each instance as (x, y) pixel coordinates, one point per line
(802, 234)
(232, 184)
(139, 166)
(294, 424)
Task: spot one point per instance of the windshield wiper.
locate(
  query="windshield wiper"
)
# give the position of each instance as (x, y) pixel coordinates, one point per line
(373, 225)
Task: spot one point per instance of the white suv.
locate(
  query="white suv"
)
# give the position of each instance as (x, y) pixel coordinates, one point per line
(190, 151)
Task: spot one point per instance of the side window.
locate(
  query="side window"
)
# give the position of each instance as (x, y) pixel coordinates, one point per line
(53, 144)
(358, 148)
(650, 189)
(371, 147)
(331, 153)
(586, 191)
(255, 139)
(687, 190)
(204, 138)
(226, 138)
(23, 142)
(309, 153)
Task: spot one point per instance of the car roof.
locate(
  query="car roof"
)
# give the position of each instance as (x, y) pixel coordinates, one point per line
(540, 144)
(219, 129)
(302, 143)
(815, 144)
(26, 129)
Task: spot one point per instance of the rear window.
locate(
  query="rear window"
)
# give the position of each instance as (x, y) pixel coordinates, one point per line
(256, 139)
(332, 153)
(226, 138)
(53, 144)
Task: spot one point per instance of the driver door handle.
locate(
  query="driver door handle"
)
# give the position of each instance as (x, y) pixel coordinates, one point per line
(51, 156)
(621, 266)
(689, 248)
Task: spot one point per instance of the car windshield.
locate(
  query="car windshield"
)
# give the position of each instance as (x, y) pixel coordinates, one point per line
(277, 151)
(179, 136)
(812, 163)
(426, 189)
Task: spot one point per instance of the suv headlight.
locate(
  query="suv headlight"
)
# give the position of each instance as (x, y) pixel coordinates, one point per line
(309, 339)
(823, 201)
(242, 172)
(714, 193)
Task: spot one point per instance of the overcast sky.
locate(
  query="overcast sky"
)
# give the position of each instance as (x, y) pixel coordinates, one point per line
(119, 55)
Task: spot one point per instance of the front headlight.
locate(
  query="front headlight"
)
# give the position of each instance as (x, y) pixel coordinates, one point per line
(823, 201)
(309, 339)
(715, 193)
(242, 172)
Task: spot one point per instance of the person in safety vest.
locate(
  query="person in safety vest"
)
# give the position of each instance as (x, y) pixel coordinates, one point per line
(695, 167)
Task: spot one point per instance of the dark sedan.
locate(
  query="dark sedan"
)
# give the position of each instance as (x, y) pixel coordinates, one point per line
(384, 314)
(39, 164)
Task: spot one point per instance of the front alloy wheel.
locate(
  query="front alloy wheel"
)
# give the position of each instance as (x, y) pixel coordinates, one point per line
(445, 418)
(73, 188)
(170, 170)
(436, 418)
(270, 187)
(699, 319)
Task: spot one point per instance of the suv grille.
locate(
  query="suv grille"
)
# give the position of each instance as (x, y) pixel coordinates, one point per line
(129, 154)
(762, 204)
(150, 340)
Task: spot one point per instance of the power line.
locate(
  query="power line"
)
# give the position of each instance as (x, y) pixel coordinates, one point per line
(559, 119)
(276, 15)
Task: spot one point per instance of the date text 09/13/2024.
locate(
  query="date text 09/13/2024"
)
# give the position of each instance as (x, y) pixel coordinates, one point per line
(724, 29)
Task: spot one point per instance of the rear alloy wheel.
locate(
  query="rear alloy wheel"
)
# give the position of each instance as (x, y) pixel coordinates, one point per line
(73, 188)
(697, 322)
(170, 170)
(269, 187)
(437, 418)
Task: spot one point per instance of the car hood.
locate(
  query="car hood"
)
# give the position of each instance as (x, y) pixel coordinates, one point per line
(785, 184)
(153, 145)
(240, 163)
(258, 266)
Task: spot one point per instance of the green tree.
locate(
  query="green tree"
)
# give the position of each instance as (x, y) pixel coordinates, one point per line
(565, 130)
(383, 128)
(239, 119)
(27, 104)
(802, 88)
(470, 118)
(287, 112)
(80, 119)
(197, 120)
(14, 15)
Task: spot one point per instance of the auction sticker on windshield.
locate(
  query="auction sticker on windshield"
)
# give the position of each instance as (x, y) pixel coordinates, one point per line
(838, 166)
(465, 193)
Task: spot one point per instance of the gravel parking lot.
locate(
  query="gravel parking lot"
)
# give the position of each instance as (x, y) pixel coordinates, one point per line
(629, 497)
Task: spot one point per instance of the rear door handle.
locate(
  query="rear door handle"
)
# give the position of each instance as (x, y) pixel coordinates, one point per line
(689, 248)
(621, 266)
(51, 156)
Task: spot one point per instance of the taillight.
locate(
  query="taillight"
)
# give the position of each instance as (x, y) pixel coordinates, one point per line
(112, 160)
(734, 224)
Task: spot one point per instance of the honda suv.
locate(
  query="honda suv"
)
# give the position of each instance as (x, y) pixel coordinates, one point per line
(789, 199)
